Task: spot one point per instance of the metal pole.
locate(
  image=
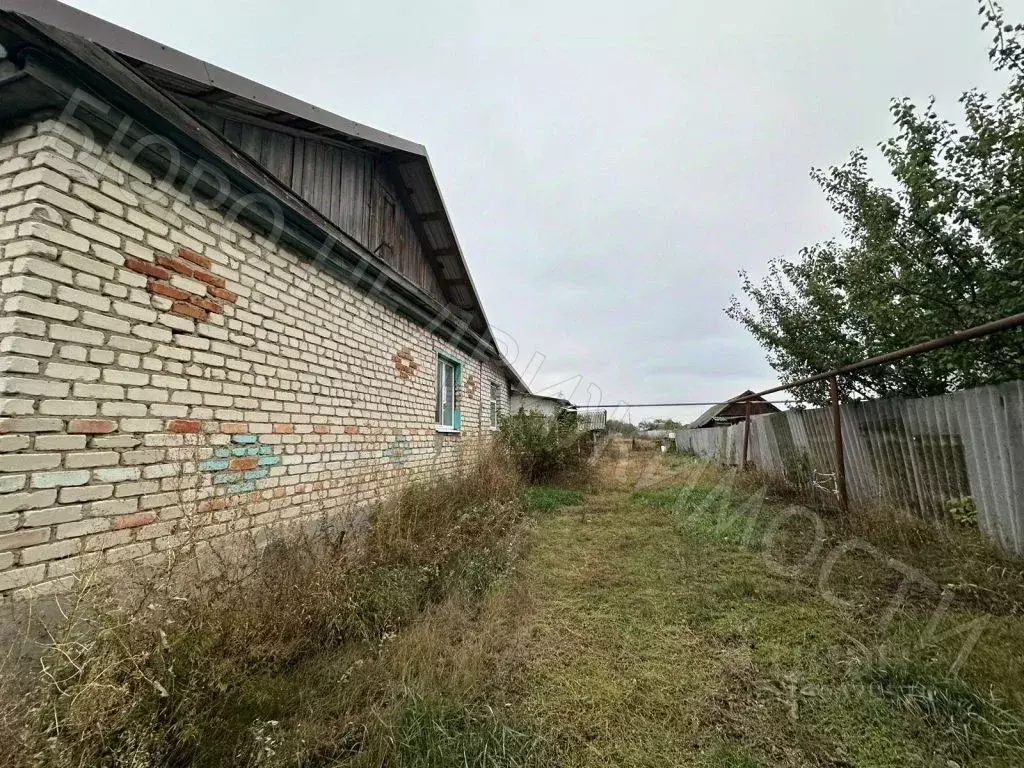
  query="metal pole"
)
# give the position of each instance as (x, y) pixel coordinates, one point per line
(746, 436)
(837, 424)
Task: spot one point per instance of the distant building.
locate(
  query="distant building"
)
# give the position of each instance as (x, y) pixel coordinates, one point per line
(731, 412)
(589, 420)
(529, 402)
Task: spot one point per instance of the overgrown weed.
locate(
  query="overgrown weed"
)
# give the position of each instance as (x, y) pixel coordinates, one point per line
(207, 672)
(966, 720)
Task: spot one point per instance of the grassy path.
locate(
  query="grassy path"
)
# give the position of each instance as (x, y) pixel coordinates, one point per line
(667, 617)
(653, 638)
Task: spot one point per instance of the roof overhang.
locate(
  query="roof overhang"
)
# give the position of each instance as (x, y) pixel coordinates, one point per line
(57, 64)
(59, 71)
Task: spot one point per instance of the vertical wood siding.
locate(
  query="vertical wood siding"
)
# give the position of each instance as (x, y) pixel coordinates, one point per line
(347, 186)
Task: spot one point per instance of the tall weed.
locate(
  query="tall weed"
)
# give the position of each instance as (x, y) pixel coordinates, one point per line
(546, 448)
(202, 671)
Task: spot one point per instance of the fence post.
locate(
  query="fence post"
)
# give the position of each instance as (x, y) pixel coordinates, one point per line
(746, 437)
(837, 426)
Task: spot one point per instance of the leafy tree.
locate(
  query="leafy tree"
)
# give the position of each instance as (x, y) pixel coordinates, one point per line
(668, 424)
(616, 427)
(941, 251)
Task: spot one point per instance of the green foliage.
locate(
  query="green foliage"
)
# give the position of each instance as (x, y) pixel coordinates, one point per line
(438, 734)
(616, 427)
(963, 716)
(940, 251)
(545, 448)
(667, 424)
(548, 498)
(964, 511)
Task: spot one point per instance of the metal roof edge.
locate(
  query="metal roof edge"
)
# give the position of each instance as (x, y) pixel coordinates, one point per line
(136, 46)
(304, 229)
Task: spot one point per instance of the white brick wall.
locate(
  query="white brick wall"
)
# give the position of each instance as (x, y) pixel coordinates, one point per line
(234, 384)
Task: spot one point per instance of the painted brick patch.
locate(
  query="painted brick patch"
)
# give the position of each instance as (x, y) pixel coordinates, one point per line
(238, 466)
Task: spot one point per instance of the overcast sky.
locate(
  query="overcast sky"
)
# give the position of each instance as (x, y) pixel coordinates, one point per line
(609, 166)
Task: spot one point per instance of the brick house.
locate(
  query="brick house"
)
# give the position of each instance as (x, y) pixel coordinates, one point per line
(218, 303)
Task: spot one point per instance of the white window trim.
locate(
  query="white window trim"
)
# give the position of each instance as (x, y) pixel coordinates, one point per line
(494, 406)
(443, 361)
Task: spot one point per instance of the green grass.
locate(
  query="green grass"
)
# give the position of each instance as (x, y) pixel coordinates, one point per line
(547, 498)
(440, 734)
(662, 637)
(648, 631)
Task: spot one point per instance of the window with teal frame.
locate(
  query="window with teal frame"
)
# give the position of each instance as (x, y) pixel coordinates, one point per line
(449, 377)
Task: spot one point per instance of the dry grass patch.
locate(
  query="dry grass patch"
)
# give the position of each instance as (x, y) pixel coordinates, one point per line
(281, 663)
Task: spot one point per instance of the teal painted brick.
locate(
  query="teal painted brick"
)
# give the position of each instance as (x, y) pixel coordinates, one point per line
(242, 487)
(244, 451)
(269, 461)
(227, 477)
(245, 439)
(213, 465)
(266, 450)
(222, 453)
(256, 474)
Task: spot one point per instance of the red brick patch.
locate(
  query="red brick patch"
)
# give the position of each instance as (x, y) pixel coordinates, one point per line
(138, 265)
(350, 430)
(283, 429)
(91, 426)
(195, 258)
(321, 429)
(206, 277)
(189, 310)
(185, 426)
(234, 428)
(133, 521)
(169, 291)
(208, 304)
(175, 265)
(213, 505)
(223, 294)
(245, 462)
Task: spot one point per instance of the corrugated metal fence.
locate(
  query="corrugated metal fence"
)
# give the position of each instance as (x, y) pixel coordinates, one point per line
(926, 455)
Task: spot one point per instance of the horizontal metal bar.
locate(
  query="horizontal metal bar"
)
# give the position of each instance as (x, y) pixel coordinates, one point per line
(959, 337)
(671, 405)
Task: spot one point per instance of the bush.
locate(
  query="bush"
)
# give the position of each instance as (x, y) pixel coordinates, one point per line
(217, 673)
(546, 448)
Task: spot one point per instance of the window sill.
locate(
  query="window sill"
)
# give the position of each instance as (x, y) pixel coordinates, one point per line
(446, 430)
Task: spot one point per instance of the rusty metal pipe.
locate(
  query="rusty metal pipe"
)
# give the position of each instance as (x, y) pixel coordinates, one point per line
(979, 331)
